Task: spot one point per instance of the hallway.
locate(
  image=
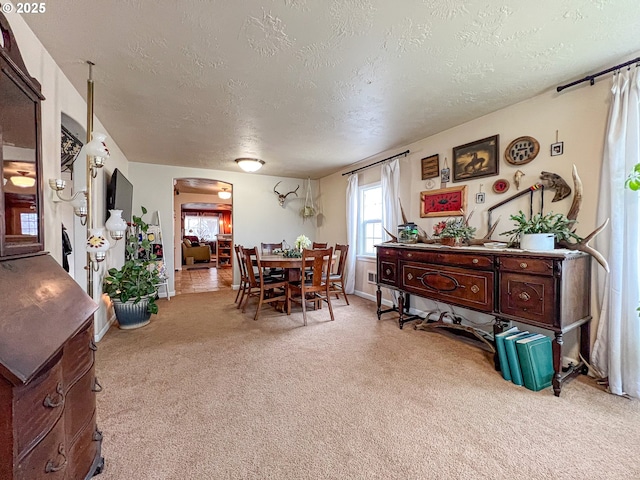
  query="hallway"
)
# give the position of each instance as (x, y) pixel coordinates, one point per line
(203, 280)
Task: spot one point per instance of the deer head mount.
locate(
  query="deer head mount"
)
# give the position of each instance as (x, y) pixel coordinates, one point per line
(282, 197)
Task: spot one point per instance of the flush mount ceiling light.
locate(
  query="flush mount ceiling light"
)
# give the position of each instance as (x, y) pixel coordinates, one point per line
(224, 194)
(23, 180)
(249, 164)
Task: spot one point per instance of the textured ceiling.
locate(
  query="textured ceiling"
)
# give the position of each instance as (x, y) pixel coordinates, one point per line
(310, 86)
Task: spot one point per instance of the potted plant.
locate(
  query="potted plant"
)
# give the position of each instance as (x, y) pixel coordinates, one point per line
(133, 287)
(454, 231)
(541, 232)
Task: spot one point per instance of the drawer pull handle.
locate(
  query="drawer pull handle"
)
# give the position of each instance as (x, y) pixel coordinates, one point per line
(475, 288)
(475, 260)
(96, 386)
(51, 467)
(523, 265)
(455, 283)
(409, 255)
(524, 296)
(409, 276)
(93, 346)
(50, 403)
(388, 271)
(97, 436)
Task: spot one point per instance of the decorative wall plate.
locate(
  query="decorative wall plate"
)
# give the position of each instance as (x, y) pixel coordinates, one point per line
(522, 150)
(501, 185)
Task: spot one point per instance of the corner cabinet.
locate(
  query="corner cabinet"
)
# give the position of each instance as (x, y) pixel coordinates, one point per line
(549, 290)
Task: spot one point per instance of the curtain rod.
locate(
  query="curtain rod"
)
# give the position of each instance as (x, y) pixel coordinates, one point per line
(405, 153)
(591, 78)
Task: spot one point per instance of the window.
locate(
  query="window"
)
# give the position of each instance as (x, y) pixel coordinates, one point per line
(204, 227)
(29, 224)
(369, 219)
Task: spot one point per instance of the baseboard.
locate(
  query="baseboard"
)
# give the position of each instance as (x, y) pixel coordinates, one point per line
(389, 303)
(98, 335)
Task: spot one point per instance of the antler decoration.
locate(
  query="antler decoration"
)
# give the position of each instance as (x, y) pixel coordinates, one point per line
(282, 197)
(583, 245)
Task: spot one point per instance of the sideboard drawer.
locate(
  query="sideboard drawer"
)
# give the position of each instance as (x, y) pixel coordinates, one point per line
(387, 271)
(542, 266)
(37, 407)
(458, 259)
(387, 252)
(530, 297)
(449, 284)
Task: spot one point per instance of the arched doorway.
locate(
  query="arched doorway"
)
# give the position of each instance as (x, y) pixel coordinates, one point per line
(203, 213)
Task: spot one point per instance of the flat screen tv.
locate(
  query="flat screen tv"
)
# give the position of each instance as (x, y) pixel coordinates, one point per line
(120, 195)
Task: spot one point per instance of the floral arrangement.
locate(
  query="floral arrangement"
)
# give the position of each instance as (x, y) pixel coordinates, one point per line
(302, 242)
(454, 228)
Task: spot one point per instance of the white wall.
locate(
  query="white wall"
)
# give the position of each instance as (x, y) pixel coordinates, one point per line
(61, 96)
(257, 217)
(579, 115)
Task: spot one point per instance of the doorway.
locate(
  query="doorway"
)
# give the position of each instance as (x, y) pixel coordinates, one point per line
(203, 213)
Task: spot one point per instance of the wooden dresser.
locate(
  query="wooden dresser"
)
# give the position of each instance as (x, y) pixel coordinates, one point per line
(549, 290)
(47, 380)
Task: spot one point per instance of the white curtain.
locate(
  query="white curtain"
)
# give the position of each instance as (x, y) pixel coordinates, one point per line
(352, 232)
(391, 216)
(617, 348)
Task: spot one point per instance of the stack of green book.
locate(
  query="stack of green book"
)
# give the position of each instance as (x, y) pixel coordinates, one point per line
(525, 358)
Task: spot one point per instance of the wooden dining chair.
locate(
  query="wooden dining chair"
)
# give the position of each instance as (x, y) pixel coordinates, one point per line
(244, 282)
(316, 245)
(315, 288)
(336, 279)
(267, 249)
(265, 289)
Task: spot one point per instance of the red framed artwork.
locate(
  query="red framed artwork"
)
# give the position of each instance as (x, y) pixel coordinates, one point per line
(445, 202)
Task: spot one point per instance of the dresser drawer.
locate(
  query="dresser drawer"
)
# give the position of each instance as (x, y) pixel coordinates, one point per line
(48, 459)
(84, 449)
(387, 252)
(80, 404)
(388, 271)
(441, 258)
(78, 355)
(37, 407)
(473, 289)
(541, 266)
(530, 297)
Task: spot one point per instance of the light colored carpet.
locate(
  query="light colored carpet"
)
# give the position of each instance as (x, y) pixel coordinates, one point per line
(205, 392)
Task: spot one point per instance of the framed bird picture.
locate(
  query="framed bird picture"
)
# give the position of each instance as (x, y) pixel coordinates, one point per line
(444, 202)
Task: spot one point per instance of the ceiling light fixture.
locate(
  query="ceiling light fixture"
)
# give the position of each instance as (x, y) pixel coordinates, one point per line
(249, 164)
(224, 194)
(23, 180)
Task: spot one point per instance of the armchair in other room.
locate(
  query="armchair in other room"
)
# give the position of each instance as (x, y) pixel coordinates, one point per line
(200, 253)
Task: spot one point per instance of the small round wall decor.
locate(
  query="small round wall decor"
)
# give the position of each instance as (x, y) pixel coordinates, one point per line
(501, 186)
(522, 150)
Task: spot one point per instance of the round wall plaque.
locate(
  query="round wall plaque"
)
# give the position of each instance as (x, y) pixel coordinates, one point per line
(501, 185)
(522, 150)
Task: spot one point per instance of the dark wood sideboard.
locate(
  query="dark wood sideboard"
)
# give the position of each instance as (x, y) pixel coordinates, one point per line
(47, 380)
(549, 290)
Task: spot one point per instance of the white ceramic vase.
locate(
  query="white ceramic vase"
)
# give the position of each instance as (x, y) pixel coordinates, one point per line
(537, 241)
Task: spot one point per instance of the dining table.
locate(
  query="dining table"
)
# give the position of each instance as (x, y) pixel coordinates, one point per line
(292, 266)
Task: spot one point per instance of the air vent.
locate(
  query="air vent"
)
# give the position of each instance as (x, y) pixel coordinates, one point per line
(372, 277)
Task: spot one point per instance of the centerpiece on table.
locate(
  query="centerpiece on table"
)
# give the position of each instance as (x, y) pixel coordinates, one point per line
(453, 232)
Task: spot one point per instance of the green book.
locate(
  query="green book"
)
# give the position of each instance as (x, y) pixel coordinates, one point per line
(502, 354)
(512, 356)
(536, 361)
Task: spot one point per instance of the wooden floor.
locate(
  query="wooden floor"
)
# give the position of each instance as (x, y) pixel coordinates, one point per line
(199, 279)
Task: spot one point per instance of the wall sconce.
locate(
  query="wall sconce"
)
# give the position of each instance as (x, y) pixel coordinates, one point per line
(224, 194)
(249, 164)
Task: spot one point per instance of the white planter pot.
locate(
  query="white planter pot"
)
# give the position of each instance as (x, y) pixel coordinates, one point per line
(537, 241)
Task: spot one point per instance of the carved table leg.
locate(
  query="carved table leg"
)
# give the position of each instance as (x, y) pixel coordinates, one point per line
(557, 364)
(401, 308)
(379, 301)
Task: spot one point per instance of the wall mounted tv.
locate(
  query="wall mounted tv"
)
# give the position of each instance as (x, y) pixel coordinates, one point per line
(120, 195)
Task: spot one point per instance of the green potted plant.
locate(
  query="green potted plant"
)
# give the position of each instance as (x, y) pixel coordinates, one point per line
(454, 231)
(133, 287)
(541, 232)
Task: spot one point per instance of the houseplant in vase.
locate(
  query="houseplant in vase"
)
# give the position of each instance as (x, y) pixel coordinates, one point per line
(541, 231)
(132, 288)
(454, 231)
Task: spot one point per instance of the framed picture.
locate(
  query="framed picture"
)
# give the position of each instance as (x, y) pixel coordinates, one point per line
(445, 175)
(444, 202)
(480, 197)
(557, 148)
(430, 167)
(476, 159)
